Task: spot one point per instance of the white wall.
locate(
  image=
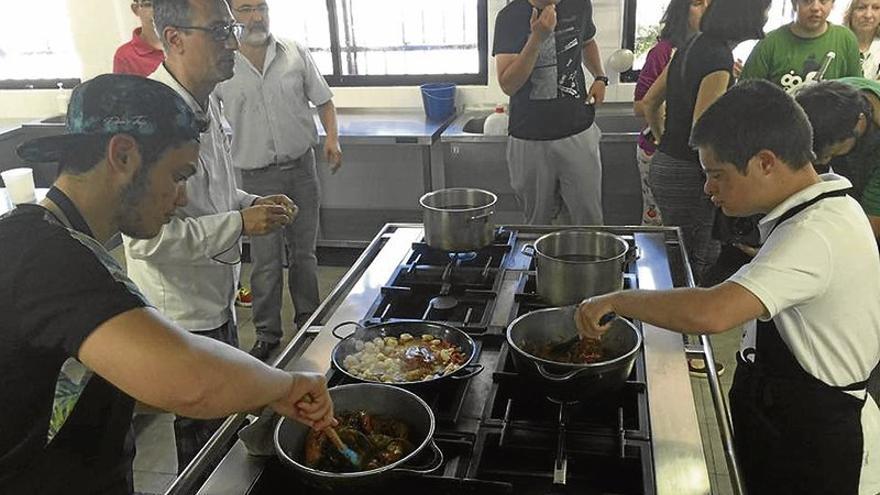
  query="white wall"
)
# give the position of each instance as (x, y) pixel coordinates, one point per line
(99, 26)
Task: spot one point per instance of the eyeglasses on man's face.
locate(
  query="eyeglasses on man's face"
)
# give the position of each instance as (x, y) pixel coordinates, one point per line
(219, 32)
(262, 8)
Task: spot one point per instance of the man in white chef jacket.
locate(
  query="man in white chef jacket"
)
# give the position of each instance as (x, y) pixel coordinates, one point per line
(803, 420)
(190, 270)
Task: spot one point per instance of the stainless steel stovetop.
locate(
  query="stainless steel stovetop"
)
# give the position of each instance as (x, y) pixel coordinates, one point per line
(500, 436)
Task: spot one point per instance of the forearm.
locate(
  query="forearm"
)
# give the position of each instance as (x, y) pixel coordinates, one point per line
(229, 381)
(193, 240)
(515, 75)
(656, 119)
(689, 311)
(151, 359)
(593, 59)
(327, 115)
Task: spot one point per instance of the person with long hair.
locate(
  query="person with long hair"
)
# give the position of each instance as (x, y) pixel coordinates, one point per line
(680, 21)
(698, 74)
(863, 18)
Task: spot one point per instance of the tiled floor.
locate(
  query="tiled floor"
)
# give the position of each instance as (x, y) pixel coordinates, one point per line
(725, 347)
(156, 464)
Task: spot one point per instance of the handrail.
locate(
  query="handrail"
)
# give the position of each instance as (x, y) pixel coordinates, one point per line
(722, 410)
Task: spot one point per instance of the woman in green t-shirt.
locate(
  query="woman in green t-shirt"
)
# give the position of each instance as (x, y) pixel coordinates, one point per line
(845, 115)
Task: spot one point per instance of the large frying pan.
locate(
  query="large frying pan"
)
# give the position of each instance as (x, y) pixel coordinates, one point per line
(415, 327)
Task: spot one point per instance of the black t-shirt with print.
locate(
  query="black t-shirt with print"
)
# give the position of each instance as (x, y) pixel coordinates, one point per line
(703, 56)
(54, 291)
(552, 104)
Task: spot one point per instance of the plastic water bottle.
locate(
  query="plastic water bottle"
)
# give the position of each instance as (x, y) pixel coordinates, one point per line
(496, 123)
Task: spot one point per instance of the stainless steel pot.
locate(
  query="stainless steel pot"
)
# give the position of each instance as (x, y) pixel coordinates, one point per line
(414, 327)
(573, 265)
(565, 381)
(459, 219)
(385, 400)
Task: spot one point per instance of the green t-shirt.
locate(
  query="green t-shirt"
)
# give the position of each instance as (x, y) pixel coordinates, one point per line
(868, 154)
(788, 60)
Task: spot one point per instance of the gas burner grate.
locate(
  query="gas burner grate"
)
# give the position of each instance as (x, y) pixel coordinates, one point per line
(594, 464)
(515, 402)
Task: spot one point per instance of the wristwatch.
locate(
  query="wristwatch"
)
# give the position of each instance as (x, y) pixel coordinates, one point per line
(604, 79)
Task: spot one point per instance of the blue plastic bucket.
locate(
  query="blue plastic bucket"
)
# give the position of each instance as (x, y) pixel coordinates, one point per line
(438, 99)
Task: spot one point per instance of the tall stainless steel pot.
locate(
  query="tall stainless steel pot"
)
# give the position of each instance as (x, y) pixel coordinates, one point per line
(458, 219)
(565, 381)
(384, 400)
(576, 264)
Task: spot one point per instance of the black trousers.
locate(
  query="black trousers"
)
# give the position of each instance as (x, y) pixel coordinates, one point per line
(190, 434)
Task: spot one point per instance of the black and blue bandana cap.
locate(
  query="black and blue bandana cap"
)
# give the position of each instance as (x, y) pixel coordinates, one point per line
(113, 104)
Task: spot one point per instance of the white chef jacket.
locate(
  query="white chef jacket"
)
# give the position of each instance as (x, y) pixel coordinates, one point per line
(190, 270)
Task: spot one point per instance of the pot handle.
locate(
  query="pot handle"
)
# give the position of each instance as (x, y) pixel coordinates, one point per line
(481, 216)
(553, 377)
(473, 370)
(633, 254)
(428, 468)
(344, 323)
(528, 250)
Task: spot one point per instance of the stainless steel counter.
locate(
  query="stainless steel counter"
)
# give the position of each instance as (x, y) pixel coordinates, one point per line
(679, 462)
(386, 126)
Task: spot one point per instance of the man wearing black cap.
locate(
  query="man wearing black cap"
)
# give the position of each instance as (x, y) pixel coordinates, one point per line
(78, 341)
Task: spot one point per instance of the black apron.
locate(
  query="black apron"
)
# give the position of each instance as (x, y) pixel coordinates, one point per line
(94, 450)
(794, 433)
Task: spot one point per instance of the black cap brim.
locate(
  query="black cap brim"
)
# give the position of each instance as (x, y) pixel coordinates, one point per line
(48, 148)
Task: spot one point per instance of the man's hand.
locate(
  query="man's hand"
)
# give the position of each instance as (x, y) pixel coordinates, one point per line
(268, 214)
(543, 24)
(333, 154)
(597, 93)
(590, 312)
(307, 401)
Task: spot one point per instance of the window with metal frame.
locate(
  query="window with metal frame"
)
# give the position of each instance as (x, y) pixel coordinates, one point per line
(642, 25)
(36, 47)
(390, 43)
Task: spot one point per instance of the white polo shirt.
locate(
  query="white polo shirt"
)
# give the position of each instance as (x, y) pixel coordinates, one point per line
(818, 275)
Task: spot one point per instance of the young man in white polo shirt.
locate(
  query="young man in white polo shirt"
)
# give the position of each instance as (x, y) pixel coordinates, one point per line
(803, 420)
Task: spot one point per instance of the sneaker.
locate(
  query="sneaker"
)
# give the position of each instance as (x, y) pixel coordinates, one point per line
(697, 367)
(244, 298)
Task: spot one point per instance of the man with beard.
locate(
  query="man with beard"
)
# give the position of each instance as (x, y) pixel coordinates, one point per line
(793, 54)
(190, 270)
(78, 340)
(267, 105)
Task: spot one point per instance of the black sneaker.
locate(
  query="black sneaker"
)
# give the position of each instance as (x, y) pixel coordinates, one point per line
(261, 350)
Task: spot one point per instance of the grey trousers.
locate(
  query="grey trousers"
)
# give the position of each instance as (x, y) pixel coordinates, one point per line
(191, 435)
(678, 190)
(299, 181)
(547, 175)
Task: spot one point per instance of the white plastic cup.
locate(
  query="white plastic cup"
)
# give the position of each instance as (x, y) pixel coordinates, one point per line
(19, 185)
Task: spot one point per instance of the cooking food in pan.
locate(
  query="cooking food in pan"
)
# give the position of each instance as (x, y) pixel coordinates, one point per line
(404, 359)
(377, 440)
(580, 351)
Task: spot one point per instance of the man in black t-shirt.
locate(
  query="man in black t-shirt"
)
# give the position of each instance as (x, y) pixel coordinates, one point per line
(78, 341)
(553, 149)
